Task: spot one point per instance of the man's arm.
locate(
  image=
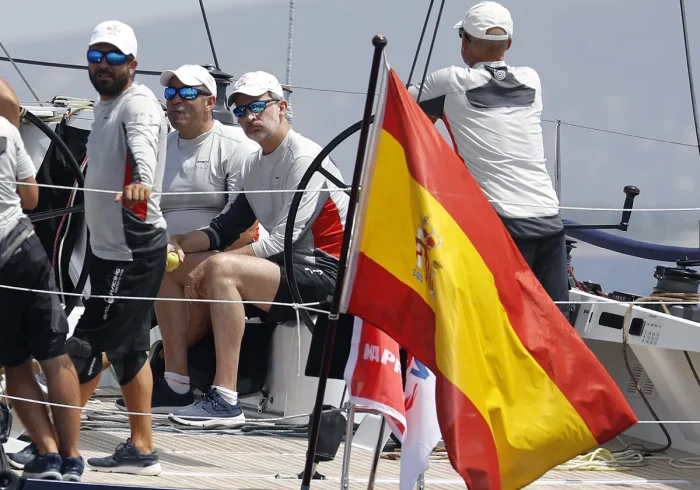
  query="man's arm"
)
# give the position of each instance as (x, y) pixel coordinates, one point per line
(28, 194)
(142, 122)
(432, 97)
(273, 244)
(9, 103)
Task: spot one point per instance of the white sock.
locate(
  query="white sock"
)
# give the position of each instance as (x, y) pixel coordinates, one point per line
(178, 383)
(226, 394)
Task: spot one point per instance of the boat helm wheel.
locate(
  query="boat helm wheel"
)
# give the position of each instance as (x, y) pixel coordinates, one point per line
(294, 208)
(72, 301)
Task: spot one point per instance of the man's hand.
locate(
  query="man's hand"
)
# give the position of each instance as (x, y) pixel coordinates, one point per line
(174, 246)
(134, 193)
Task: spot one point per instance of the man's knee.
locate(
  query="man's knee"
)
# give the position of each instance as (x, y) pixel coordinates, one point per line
(127, 366)
(87, 365)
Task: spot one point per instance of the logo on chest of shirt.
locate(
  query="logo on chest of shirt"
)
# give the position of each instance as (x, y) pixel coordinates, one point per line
(196, 164)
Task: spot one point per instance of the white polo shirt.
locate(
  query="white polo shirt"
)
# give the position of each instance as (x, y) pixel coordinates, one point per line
(492, 112)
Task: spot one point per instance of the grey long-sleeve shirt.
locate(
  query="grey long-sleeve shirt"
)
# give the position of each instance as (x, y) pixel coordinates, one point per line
(320, 221)
(127, 144)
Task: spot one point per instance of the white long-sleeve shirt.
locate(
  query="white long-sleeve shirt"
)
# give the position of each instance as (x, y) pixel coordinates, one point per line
(492, 112)
(127, 144)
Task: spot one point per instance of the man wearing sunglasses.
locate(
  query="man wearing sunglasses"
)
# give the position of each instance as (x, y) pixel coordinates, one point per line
(203, 156)
(255, 272)
(128, 240)
(492, 111)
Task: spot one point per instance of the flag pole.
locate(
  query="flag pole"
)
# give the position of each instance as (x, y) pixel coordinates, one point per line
(379, 42)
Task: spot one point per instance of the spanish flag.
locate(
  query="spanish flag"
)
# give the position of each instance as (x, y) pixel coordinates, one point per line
(517, 390)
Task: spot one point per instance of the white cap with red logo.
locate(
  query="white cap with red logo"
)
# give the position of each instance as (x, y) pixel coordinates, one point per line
(116, 33)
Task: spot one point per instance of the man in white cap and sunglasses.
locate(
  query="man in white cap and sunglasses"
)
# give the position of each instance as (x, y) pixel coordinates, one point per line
(204, 158)
(128, 239)
(255, 272)
(492, 113)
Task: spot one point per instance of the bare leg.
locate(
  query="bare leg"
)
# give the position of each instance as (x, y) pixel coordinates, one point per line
(88, 389)
(21, 383)
(62, 382)
(173, 315)
(137, 395)
(200, 323)
(232, 276)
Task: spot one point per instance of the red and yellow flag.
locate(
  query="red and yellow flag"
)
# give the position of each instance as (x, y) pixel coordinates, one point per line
(431, 264)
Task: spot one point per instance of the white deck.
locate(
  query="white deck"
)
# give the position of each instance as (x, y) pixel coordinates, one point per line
(240, 461)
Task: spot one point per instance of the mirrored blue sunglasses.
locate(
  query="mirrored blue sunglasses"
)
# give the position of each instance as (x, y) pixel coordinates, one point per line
(186, 93)
(113, 57)
(255, 107)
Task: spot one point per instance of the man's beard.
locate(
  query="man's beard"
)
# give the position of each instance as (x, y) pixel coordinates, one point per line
(262, 132)
(109, 86)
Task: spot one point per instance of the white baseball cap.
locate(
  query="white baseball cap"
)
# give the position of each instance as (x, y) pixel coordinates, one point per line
(256, 83)
(485, 15)
(117, 34)
(191, 75)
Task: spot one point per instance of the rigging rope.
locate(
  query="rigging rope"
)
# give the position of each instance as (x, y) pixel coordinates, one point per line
(420, 43)
(26, 82)
(690, 75)
(288, 76)
(430, 51)
(211, 41)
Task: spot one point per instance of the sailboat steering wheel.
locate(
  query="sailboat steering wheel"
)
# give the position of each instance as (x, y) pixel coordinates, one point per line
(294, 208)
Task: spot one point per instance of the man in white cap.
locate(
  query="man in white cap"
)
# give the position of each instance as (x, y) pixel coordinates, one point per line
(128, 239)
(255, 272)
(203, 156)
(492, 112)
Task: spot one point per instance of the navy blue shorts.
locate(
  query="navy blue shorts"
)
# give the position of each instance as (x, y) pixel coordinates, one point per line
(547, 258)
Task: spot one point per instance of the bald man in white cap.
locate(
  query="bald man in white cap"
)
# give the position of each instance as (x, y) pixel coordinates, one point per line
(203, 156)
(492, 112)
(128, 239)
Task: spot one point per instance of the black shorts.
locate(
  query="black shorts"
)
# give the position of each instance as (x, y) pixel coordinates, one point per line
(315, 285)
(120, 326)
(35, 324)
